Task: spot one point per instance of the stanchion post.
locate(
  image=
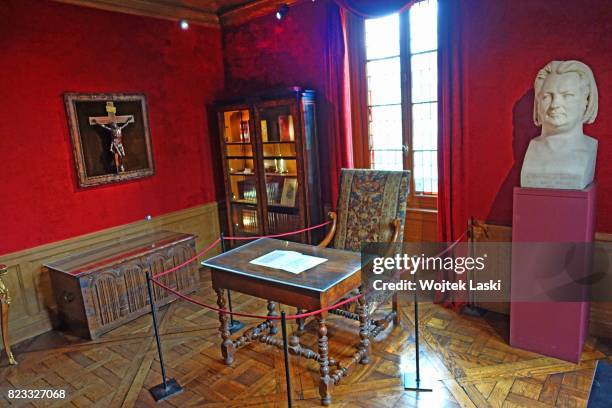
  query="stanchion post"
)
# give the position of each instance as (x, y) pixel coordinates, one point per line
(471, 309)
(286, 352)
(235, 325)
(412, 381)
(170, 386)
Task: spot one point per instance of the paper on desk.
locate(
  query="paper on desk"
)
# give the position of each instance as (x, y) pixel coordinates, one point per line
(290, 261)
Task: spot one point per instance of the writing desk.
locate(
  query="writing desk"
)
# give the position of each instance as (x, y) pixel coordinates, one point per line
(316, 288)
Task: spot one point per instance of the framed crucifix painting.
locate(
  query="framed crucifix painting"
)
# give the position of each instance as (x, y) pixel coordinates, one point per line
(110, 137)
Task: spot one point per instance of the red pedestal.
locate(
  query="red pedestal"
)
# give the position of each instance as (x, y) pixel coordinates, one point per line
(555, 329)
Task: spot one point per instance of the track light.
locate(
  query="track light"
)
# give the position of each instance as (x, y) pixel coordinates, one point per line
(282, 10)
(183, 24)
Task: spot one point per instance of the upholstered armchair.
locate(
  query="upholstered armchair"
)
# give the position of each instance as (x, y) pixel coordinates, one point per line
(371, 209)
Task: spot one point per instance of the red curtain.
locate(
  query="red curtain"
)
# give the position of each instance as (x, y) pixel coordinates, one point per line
(452, 220)
(336, 101)
(371, 9)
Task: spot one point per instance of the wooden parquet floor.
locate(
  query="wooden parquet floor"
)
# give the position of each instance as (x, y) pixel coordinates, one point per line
(466, 357)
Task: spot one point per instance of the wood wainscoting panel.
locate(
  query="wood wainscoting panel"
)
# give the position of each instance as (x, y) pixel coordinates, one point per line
(600, 312)
(33, 308)
(485, 233)
(421, 225)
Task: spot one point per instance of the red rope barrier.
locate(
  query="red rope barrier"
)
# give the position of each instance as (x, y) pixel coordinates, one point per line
(328, 308)
(439, 254)
(454, 244)
(208, 248)
(298, 316)
(190, 260)
(284, 234)
(216, 309)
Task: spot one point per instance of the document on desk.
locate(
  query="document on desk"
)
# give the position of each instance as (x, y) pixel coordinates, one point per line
(290, 261)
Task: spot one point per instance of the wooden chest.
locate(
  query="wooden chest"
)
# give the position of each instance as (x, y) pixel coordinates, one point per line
(104, 287)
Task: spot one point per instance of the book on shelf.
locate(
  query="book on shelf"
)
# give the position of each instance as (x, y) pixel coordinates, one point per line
(273, 192)
(234, 128)
(285, 128)
(264, 130)
(244, 131)
(249, 221)
(281, 222)
(247, 189)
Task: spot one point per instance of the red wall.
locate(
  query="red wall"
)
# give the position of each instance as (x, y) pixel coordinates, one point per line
(50, 48)
(506, 43)
(267, 53)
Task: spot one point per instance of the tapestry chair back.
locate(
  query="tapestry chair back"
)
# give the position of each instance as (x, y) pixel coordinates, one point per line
(369, 202)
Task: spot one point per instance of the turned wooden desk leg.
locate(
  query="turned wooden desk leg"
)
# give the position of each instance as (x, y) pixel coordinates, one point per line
(5, 301)
(362, 311)
(396, 308)
(227, 346)
(272, 312)
(326, 383)
(301, 322)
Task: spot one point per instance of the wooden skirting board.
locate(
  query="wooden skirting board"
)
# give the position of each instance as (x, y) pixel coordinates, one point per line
(601, 312)
(33, 308)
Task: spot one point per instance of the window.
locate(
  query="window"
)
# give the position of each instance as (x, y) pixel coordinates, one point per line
(383, 70)
(403, 114)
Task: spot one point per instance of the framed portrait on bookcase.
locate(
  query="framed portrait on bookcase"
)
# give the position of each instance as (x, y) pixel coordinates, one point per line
(289, 192)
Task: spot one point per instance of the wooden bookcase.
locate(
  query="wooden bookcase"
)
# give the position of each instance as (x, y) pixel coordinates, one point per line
(270, 163)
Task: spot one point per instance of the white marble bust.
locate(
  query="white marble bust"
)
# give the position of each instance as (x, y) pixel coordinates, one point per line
(562, 156)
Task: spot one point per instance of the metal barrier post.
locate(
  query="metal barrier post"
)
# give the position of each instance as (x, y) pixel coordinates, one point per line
(412, 381)
(168, 387)
(286, 352)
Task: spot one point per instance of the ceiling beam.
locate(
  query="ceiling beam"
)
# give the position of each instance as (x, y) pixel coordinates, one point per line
(176, 10)
(153, 8)
(249, 11)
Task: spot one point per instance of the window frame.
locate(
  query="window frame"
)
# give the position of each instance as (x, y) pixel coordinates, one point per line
(415, 200)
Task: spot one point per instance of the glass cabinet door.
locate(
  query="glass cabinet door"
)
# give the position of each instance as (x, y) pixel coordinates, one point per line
(278, 128)
(242, 171)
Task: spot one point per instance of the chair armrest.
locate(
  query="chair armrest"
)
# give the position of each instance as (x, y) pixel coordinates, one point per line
(395, 224)
(332, 231)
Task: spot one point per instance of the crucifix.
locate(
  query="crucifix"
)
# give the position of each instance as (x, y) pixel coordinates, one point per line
(115, 125)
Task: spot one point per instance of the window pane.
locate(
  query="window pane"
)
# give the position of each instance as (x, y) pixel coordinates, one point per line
(384, 86)
(425, 126)
(426, 171)
(386, 160)
(386, 127)
(382, 37)
(424, 26)
(424, 77)
(384, 94)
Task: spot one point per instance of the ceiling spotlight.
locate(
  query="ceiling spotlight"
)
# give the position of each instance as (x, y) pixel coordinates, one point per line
(183, 24)
(282, 10)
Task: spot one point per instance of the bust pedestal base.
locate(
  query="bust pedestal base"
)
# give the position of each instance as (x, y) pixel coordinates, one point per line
(555, 329)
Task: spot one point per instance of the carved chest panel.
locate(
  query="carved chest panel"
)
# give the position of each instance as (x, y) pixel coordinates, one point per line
(104, 287)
